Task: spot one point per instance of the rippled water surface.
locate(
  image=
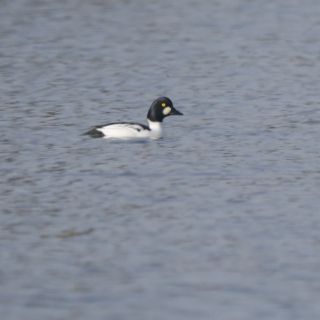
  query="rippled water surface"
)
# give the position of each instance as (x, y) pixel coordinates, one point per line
(219, 219)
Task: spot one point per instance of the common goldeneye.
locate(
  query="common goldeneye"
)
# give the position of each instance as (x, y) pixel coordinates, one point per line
(160, 108)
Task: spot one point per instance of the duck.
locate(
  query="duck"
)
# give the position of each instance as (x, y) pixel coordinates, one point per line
(160, 108)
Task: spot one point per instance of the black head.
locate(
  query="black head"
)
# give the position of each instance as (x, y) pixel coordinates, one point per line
(161, 108)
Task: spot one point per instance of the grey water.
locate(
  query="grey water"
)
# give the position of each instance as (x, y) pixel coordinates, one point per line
(219, 219)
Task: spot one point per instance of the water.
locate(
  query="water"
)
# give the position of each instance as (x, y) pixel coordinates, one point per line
(217, 220)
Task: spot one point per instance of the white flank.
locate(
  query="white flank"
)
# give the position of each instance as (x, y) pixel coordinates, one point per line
(125, 131)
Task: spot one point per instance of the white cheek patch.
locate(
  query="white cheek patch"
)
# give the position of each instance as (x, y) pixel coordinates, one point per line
(166, 111)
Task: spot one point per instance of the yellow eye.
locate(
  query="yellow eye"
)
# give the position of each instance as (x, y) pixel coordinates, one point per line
(163, 104)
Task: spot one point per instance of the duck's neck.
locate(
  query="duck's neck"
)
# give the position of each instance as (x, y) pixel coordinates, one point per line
(155, 126)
